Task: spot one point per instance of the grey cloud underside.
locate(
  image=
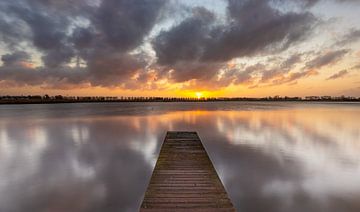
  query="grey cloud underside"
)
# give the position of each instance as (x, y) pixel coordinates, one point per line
(350, 37)
(116, 70)
(253, 27)
(15, 58)
(310, 3)
(284, 68)
(197, 39)
(326, 59)
(283, 74)
(101, 38)
(338, 75)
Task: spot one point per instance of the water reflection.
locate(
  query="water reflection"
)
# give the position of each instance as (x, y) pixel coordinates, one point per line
(289, 157)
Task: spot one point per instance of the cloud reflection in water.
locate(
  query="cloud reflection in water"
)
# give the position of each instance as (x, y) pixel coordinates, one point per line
(288, 158)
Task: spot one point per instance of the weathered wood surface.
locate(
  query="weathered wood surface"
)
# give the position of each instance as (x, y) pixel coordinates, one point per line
(184, 178)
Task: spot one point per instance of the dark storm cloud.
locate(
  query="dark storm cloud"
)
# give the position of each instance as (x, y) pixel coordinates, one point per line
(111, 69)
(57, 57)
(97, 36)
(177, 49)
(116, 70)
(14, 58)
(271, 30)
(12, 31)
(303, 3)
(310, 3)
(326, 59)
(93, 42)
(47, 30)
(82, 37)
(21, 75)
(125, 23)
(194, 70)
(184, 42)
(200, 39)
(196, 39)
(338, 75)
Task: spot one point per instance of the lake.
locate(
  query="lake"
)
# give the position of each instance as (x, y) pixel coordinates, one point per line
(270, 156)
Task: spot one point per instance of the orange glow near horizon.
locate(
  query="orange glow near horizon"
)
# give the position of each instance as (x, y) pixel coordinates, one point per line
(205, 94)
(314, 84)
(305, 87)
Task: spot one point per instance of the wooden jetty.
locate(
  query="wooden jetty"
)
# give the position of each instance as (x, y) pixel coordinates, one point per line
(184, 178)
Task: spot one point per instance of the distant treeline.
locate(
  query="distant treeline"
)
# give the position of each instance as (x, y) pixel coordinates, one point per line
(46, 99)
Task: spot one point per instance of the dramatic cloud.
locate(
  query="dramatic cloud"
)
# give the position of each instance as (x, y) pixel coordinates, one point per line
(15, 58)
(271, 30)
(199, 39)
(184, 42)
(243, 75)
(310, 3)
(352, 36)
(102, 40)
(338, 75)
(291, 77)
(125, 23)
(284, 68)
(139, 43)
(326, 59)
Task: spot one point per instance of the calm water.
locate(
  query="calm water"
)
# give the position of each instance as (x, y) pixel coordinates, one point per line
(99, 157)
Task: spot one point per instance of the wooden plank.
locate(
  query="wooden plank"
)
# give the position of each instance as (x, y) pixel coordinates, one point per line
(184, 179)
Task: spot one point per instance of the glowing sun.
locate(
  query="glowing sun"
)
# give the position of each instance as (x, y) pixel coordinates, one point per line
(199, 95)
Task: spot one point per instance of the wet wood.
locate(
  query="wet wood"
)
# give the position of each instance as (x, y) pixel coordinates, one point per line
(184, 179)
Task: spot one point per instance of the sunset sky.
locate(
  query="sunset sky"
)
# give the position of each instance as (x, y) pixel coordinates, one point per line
(251, 48)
